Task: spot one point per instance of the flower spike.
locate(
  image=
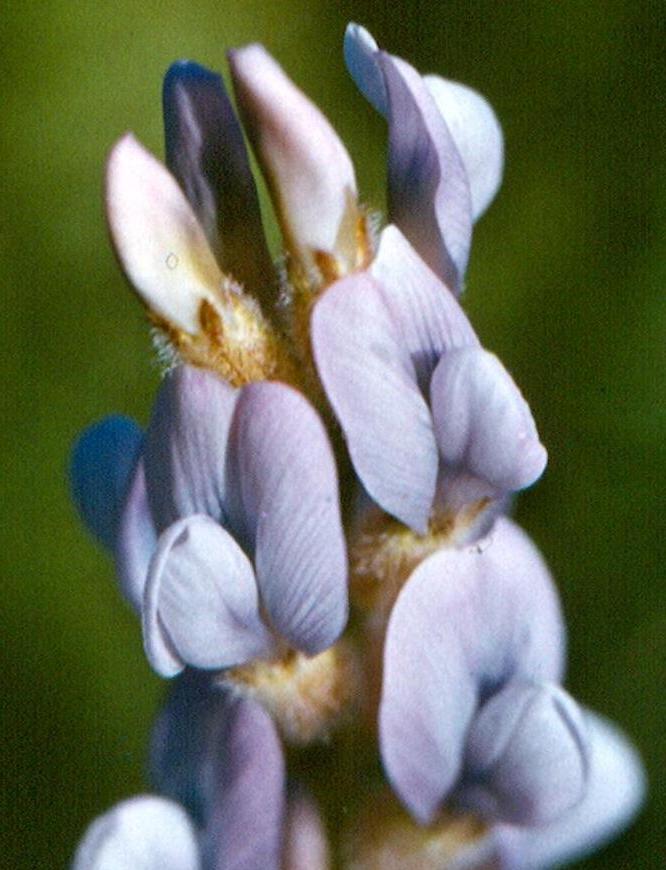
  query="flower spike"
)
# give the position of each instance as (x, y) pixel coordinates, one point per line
(433, 731)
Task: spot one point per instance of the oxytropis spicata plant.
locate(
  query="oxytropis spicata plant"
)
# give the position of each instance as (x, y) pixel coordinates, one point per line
(367, 653)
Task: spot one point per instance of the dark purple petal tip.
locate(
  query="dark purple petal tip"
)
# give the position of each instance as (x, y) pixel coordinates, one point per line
(205, 151)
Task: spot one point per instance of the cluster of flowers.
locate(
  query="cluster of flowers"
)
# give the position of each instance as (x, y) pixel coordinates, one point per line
(367, 652)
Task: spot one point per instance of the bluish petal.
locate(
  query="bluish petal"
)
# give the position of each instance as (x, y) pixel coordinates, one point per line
(205, 151)
(371, 383)
(477, 135)
(245, 827)
(101, 466)
(360, 51)
(142, 833)
(615, 794)
(527, 759)
(185, 741)
(159, 241)
(284, 469)
(201, 605)
(427, 316)
(307, 167)
(429, 194)
(136, 539)
(186, 446)
(483, 425)
(466, 622)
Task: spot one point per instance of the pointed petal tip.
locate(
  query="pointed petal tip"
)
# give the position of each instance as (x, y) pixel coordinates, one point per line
(360, 53)
(308, 169)
(157, 237)
(185, 69)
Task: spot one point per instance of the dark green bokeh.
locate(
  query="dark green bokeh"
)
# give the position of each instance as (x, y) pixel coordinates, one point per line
(565, 284)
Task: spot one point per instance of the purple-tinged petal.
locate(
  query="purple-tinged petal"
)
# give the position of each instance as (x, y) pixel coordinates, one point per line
(307, 167)
(527, 758)
(103, 459)
(205, 151)
(136, 539)
(159, 241)
(142, 833)
(186, 446)
(306, 847)
(360, 52)
(201, 605)
(429, 195)
(477, 135)
(427, 315)
(371, 383)
(615, 793)
(483, 425)
(184, 745)
(466, 622)
(245, 828)
(284, 470)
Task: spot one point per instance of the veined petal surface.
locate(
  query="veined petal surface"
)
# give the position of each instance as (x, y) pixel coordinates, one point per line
(206, 152)
(201, 605)
(465, 623)
(159, 241)
(283, 468)
(371, 383)
(142, 833)
(186, 446)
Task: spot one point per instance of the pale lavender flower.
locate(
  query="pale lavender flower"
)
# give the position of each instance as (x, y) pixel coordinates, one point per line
(232, 507)
(421, 403)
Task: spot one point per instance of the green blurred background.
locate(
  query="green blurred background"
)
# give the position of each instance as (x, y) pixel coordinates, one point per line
(566, 284)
